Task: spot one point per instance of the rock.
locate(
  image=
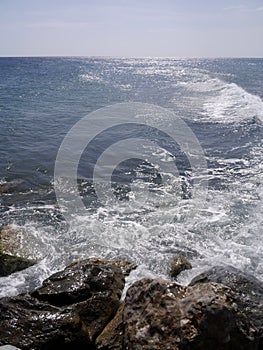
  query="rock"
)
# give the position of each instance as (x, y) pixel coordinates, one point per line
(111, 337)
(9, 245)
(248, 290)
(71, 308)
(10, 264)
(125, 265)
(8, 187)
(8, 347)
(179, 264)
(10, 238)
(30, 324)
(79, 308)
(97, 282)
(161, 315)
(14, 241)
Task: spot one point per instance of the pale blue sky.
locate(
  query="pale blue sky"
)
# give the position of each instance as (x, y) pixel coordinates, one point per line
(178, 28)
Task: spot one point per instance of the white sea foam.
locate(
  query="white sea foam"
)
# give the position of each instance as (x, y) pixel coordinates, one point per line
(227, 230)
(217, 101)
(150, 235)
(233, 104)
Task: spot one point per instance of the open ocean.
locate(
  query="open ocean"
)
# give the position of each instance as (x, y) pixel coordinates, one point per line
(220, 101)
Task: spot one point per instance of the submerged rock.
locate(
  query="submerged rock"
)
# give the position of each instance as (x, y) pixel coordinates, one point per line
(8, 187)
(179, 264)
(71, 308)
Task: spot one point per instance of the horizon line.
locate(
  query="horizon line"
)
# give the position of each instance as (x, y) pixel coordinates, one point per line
(130, 57)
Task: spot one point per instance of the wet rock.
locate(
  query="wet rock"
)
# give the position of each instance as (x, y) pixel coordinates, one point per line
(10, 264)
(14, 240)
(10, 238)
(125, 265)
(111, 337)
(179, 264)
(30, 324)
(8, 187)
(79, 280)
(71, 308)
(248, 290)
(161, 315)
(79, 308)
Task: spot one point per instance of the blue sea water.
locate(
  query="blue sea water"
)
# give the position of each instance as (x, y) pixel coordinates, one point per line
(220, 100)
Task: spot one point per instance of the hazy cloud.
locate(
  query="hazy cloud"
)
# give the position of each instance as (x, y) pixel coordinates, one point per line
(243, 8)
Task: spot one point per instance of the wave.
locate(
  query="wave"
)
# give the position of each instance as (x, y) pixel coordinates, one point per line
(213, 100)
(233, 104)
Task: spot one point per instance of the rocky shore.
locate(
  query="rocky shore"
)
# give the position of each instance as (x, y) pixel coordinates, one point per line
(83, 307)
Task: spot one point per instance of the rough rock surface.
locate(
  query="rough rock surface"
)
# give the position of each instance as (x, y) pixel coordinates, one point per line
(79, 308)
(10, 238)
(14, 240)
(248, 290)
(160, 315)
(10, 261)
(70, 309)
(179, 264)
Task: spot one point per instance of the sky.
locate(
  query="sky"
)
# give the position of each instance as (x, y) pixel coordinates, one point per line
(132, 28)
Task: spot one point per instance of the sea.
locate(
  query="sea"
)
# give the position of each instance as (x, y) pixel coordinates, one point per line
(131, 158)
